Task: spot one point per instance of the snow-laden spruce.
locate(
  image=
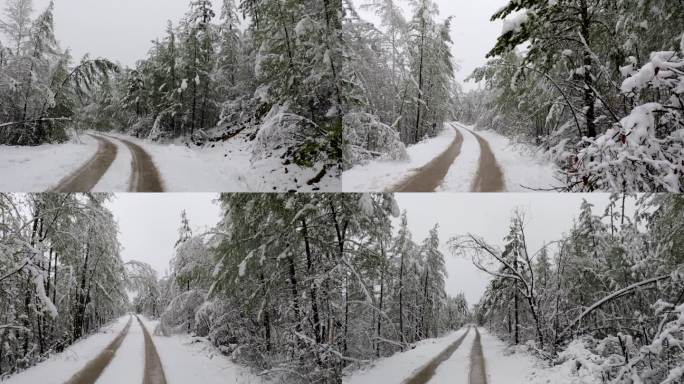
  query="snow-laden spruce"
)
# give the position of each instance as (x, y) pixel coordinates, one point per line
(596, 86)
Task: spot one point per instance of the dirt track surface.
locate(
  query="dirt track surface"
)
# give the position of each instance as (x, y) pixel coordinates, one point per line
(430, 176)
(489, 177)
(426, 372)
(92, 371)
(154, 371)
(86, 177)
(478, 373)
(145, 176)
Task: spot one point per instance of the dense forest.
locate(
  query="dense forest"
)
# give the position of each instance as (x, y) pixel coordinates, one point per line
(61, 276)
(399, 76)
(298, 287)
(266, 67)
(595, 84)
(302, 286)
(607, 297)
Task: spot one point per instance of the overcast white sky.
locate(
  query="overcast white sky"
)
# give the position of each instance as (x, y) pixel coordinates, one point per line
(121, 30)
(471, 31)
(149, 224)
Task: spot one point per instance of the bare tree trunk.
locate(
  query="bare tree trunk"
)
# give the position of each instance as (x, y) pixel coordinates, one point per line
(311, 272)
(401, 299)
(420, 73)
(382, 294)
(515, 305)
(589, 96)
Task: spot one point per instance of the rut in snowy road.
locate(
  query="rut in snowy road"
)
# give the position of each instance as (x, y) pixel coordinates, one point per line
(144, 174)
(428, 371)
(154, 371)
(478, 373)
(85, 178)
(489, 177)
(431, 175)
(92, 371)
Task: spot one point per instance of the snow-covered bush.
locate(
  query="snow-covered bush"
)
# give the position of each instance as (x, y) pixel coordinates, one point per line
(283, 132)
(142, 127)
(180, 315)
(645, 151)
(367, 138)
(616, 360)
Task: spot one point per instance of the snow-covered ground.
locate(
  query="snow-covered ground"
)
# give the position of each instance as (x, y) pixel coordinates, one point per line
(117, 177)
(184, 360)
(507, 365)
(189, 360)
(523, 170)
(402, 365)
(462, 173)
(38, 169)
(218, 167)
(456, 369)
(503, 364)
(381, 175)
(225, 167)
(128, 364)
(61, 366)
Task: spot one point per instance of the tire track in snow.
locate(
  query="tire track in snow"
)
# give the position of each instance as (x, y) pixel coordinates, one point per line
(145, 176)
(92, 371)
(489, 177)
(430, 176)
(154, 371)
(478, 373)
(85, 178)
(428, 370)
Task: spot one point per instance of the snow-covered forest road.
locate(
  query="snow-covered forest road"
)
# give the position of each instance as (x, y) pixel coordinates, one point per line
(431, 175)
(144, 174)
(470, 355)
(488, 178)
(125, 351)
(453, 359)
(89, 174)
(112, 162)
(459, 159)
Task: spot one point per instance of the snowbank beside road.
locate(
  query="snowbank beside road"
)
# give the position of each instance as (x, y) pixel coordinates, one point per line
(506, 365)
(38, 169)
(402, 365)
(61, 366)
(188, 359)
(381, 175)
